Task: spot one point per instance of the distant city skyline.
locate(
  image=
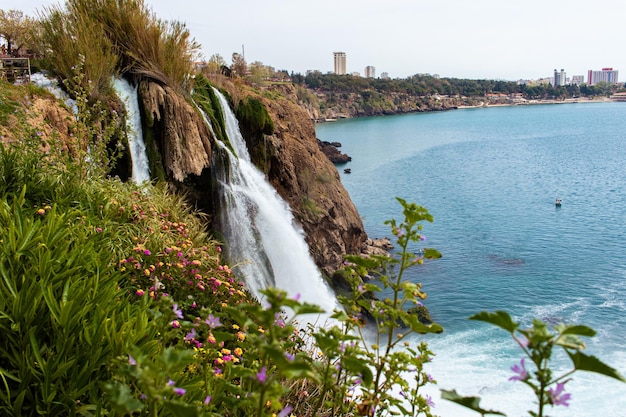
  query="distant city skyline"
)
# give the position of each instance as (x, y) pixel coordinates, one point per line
(453, 38)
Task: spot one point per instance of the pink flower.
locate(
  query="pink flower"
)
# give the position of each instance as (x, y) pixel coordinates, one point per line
(177, 311)
(520, 370)
(261, 376)
(557, 397)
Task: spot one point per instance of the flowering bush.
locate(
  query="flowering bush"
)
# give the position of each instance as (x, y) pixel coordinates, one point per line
(537, 344)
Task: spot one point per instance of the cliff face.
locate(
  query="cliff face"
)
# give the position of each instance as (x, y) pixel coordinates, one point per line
(181, 139)
(179, 146)
(303, 176)
(333, 105)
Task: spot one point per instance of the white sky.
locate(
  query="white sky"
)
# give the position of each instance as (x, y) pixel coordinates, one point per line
(495, 39)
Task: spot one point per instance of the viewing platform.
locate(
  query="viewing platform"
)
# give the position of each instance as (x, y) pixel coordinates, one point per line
(15, 70)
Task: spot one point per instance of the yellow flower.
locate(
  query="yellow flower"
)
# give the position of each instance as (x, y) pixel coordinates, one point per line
(236, 327)
(241, 336)
(238, 351)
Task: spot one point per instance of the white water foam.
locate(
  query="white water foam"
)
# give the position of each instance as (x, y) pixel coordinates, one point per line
(128, 95)
(477, 362)
(264, 242)
(51, 85)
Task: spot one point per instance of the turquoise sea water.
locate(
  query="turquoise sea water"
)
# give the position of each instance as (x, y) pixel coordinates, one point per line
(490, 177)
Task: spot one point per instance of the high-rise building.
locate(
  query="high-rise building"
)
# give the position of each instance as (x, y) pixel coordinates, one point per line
(559, 78)
(607, 75)
(340, 63)
(578, 79)
(384, 75)
(370, 72)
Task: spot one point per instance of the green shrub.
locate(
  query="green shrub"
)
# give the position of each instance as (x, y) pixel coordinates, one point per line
(252, 113)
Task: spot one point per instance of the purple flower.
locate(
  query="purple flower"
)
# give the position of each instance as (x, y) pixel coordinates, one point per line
(520, 370)
(177, 311)
(558, 397)
(147, 252)
(179, 391)
(261, 376)
(207, 400)
(430, 402)
(171, 383)
(285, 411)
(131, 360)
(279, 321)
(191, 335)
(290, 356)
(213, 321)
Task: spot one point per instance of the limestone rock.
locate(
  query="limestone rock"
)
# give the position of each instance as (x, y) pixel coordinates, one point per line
(332, 153)
(183, 137)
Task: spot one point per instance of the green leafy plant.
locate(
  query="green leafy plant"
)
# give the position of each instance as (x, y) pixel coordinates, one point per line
(538, 343)
(390, 357)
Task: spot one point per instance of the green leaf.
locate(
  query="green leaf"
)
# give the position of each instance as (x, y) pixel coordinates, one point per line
(473, 403)
(589, 363)
(360, 367)
(430, 253)
(122, 398)
(579, 330)
(181, 409)
(421, 328)
(498, 318)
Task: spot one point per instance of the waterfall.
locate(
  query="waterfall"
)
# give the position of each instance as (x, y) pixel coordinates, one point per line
(264, 244)
(128, 95)
(50, 84)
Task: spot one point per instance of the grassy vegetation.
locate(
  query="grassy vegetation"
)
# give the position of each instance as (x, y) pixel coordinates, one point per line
(103, 38)
(115, 301)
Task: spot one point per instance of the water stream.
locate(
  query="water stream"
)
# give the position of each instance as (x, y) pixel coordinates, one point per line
(128, 95)
(265, 245)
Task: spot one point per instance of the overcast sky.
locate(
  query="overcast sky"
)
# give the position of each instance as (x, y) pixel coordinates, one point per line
(496, 39)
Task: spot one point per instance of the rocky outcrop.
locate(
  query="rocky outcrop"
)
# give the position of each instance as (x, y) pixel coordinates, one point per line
(182, 139)
(340, 105)
(332, 153)
(303, 176)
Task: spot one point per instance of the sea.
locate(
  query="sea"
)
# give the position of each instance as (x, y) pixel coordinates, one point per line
(490, 178)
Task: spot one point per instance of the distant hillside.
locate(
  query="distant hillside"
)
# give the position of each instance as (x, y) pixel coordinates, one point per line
(331, 96)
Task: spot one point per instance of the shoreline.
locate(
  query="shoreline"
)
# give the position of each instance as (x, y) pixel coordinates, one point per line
(538, 102)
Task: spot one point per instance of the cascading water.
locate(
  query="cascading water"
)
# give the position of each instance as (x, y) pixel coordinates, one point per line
(51, 85)
(128, 95)
(263, 242)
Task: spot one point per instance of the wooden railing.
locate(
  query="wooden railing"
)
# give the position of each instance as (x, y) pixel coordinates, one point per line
(15, 70)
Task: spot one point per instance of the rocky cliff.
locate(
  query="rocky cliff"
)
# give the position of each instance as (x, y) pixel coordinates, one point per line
(294, 164)
(180, 147)
(333, 105)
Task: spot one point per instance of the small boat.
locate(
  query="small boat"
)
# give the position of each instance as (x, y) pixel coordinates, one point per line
(557, 202)
(347, 170)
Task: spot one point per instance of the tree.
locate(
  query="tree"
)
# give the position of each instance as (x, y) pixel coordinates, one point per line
(215, 64)
(260, 72)
(17, 30)
(239, 65)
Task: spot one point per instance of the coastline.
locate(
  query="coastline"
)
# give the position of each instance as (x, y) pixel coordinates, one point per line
(524, 102)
